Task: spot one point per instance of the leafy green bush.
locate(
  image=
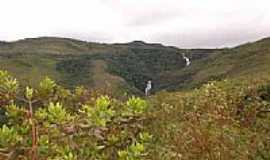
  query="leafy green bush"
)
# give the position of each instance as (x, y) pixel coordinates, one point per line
(8, 136)
(49, 123)
(221, 120)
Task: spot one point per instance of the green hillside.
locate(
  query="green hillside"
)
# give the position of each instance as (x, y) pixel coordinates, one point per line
(243, 62)
(72, 62)
(126, 67)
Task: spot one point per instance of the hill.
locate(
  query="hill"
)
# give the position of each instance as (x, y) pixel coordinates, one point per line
(73, 62)
(125, 67)
(242, 62)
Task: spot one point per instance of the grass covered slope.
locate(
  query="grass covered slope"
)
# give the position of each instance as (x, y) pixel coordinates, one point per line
(129, 65)
(73, 62)
(242, 62)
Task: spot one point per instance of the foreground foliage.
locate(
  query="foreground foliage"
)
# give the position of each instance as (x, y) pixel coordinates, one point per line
(53, 123)
(222, 120)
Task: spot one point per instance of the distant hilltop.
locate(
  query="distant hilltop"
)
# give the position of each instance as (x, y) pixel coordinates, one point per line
(129, 65)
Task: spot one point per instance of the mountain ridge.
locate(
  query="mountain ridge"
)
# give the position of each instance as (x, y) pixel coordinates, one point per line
(73, 62)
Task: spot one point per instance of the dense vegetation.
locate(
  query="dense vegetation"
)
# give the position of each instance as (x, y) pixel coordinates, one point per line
(219, 107)
(71, 62)
(221, 120)
(53, 123)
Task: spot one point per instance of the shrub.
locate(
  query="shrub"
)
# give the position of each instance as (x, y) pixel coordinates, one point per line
(221, 120)
(51, 124)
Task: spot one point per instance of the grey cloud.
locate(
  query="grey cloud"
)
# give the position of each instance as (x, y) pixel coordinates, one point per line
(92, 37)
(153, 18)
(213, 39)
(184, 23)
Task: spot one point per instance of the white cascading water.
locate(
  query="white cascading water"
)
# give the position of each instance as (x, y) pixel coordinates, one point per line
(148, 88)
(188, 61)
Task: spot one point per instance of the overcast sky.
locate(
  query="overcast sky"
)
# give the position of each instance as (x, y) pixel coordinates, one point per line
(182, 23)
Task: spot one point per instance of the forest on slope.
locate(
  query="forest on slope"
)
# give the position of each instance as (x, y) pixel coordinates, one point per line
(127, 67)
(72, 62)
